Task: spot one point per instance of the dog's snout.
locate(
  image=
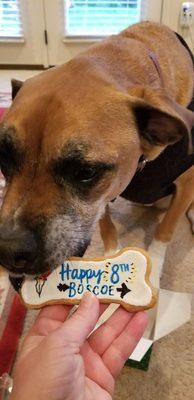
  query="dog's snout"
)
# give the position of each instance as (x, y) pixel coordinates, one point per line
(23, 256)
(18, 249)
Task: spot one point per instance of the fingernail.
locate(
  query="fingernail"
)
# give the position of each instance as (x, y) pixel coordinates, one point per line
(88, 299)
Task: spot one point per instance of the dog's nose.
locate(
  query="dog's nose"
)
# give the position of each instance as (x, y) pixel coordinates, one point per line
(18, 249)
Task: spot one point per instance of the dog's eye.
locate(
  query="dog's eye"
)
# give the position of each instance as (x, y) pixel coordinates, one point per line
(3, 168)
(86, 174)
(8, 167)
(10, 157)
(81, 175)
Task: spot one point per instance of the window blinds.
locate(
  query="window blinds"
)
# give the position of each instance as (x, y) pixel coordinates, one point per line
(10, 19)
(98, 18)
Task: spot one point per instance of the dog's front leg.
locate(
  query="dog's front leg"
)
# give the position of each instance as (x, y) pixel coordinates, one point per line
(181, 202)
(190, 216)
(157, 252)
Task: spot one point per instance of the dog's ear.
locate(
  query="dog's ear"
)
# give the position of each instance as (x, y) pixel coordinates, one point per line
(15, 87)
(160, 120)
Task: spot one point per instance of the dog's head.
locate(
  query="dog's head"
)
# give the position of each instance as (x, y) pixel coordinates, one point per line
(69, 145)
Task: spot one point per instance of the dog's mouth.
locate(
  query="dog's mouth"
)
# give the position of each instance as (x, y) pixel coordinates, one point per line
(17, 279)
(16, 282)
(17, 276)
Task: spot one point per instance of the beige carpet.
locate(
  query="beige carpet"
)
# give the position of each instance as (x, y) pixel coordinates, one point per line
(171, 372)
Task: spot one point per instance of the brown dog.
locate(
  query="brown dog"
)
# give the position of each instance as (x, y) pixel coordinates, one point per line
(72, 139)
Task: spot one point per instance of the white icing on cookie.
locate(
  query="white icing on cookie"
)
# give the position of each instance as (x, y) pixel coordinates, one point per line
(121, 279)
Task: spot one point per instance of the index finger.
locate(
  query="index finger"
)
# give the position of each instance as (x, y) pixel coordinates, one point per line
(51, 317)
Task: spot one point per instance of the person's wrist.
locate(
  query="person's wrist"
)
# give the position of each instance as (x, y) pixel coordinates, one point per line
(19, 396)
(24, 390)
(22, 395)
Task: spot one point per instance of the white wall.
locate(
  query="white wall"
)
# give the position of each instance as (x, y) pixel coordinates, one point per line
(171, 17)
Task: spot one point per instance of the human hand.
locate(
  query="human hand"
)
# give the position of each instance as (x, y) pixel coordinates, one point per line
(58, 362)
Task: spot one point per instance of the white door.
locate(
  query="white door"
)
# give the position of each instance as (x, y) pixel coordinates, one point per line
(22, 26)
(69, 26)
(73, 25)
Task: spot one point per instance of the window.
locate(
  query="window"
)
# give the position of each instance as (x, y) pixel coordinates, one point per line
(98, 18)
(10, 19)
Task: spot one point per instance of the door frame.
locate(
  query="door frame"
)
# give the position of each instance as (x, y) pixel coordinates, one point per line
(30, 49)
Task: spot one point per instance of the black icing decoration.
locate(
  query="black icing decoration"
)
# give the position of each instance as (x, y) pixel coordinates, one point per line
(62, 287)
(39, 286)
(123, 290)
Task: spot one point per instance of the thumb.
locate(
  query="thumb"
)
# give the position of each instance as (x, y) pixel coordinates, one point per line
(82, 322)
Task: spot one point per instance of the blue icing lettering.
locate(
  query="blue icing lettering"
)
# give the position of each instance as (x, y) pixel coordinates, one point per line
(114, 278)
(79, 289)
(124, 267)
(72, 289)
(111, 290)
(96, 290)
(117, 270)
(67, 273)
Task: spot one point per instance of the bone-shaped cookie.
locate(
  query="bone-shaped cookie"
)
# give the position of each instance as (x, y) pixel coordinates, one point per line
(122, 278)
